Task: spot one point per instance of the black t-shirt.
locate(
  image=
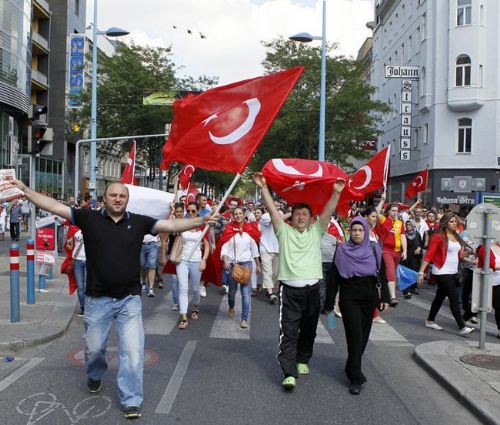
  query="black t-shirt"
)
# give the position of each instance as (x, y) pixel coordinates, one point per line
(112, 251)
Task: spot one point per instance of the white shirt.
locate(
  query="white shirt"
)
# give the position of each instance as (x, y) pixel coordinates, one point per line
(246, 248)
(450, 265)
(77, 242)
(268, 239)
(150, 238)
(328, 246)
(190, 239)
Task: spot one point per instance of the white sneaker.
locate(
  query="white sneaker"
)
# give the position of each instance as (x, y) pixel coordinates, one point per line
(151, 293)
(144, 287)
(203, 291)
(474, 320)
(432, 325)
(175, 307)
(226, 288)
(465, 331)
(378, 319)
(337, 313)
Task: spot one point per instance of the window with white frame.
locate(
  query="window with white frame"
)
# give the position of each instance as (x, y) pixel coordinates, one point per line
(426, 134)
(462, 74)
(464, 135)
(464, 12)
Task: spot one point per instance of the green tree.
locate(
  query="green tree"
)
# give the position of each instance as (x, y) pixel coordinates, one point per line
(351, 116)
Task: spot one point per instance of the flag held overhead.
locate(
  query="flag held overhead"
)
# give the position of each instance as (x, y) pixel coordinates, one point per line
(221, 128)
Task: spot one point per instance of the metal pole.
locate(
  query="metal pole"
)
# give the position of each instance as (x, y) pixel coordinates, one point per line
(100, 139)
(30, 269)
(322, 102)
(93, 113)
(483, 305)
(15, 308)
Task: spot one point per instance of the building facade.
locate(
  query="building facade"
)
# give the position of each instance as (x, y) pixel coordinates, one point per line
(436, 63)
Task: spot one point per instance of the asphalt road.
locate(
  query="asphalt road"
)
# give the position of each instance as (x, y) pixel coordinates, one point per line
(215, 373)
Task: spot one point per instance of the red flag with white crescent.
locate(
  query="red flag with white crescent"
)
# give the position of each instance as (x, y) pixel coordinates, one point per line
(371, 176)
(185, 175)
(221, 128)
(303, 180)
(335, 229)
(128, 175)
(191, 195)
(418, 184)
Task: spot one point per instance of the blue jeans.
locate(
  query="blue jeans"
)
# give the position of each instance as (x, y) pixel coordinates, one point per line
(80, 272)
(174, 287)
(188, 272)
(127, 314)
(244, 289)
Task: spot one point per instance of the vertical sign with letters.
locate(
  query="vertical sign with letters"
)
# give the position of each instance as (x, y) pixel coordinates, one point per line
(76, 67)
(405, 139)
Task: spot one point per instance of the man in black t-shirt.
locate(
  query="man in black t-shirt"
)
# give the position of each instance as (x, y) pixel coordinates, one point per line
(113, 239)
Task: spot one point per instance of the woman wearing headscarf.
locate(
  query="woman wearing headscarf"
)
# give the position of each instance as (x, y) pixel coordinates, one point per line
(414, 247)
(355, 269)
(446, 248)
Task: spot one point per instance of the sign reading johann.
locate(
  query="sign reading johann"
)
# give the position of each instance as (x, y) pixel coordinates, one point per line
(408, 72)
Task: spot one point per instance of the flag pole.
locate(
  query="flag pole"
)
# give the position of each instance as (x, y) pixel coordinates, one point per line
(228, 192)
(426, 184)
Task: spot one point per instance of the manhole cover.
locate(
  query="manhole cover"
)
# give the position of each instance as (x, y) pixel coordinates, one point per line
(482, 360)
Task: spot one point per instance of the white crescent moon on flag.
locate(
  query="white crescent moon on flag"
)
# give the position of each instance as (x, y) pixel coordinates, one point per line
(129, 161)
(253, 110)
(421, 180)
(368, 173)
(187, 167)
(288, 169)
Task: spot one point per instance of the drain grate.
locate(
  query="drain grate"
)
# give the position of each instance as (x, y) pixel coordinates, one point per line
(484, 361)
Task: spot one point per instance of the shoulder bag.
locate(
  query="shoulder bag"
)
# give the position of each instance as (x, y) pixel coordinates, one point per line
(68, 268)
(176, 251)
(381, 285)
(240, 274)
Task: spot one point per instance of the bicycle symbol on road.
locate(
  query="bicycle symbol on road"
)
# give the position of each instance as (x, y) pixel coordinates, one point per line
(40, 405)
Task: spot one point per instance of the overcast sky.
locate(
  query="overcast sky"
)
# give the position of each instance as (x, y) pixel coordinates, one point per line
(233, 29)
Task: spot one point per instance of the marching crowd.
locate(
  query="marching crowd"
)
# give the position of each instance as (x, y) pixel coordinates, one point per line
(309, 264)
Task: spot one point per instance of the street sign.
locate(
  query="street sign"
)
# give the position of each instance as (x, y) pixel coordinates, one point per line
(476, 220)
(405, 143)
(42, 257)
(405, 155)
(407, 72)
(45, 221)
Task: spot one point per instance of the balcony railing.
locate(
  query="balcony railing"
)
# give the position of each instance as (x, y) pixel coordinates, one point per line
(40, 40)
(39, 77)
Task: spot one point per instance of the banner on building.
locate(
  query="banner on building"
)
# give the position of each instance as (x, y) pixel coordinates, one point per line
(76, 81)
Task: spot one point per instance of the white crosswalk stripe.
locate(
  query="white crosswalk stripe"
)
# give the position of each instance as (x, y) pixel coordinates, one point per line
(161, 321)
(322, 335)
(385, 334)
(229, 327)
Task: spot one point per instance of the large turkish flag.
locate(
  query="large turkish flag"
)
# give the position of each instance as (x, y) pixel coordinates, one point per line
(221, 128)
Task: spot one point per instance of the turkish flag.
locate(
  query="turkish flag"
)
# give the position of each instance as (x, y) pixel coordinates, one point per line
(371, 176)
(191, 195)
(129, 170)
(221, 128)
(418, 184)
(303, 180)
(185, 175)
(335, 229)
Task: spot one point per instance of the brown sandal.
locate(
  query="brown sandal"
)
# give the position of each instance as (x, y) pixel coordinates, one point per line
(183, 324)
(195, 313)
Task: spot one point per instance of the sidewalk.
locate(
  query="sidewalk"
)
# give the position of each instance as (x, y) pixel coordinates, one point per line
(41, 322)
(476, 384)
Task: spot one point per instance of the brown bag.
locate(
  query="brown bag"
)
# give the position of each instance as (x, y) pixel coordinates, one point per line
(68, 268)
(176, 251)
(240, 274)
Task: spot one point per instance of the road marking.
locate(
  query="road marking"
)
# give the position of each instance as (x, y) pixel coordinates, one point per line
(161, 321)
(490, 327)
(168, 398)
(229, 327)
(19, 373)
(322, 335)
(385, 334)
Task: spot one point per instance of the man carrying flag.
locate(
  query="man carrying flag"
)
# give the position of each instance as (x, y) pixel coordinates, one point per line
(300, 270)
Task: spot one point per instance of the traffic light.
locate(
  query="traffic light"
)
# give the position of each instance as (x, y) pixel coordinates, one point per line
(37, 142)
(41, 136)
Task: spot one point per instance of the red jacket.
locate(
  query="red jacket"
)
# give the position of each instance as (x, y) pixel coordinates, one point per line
(438, 247)
(480, 257)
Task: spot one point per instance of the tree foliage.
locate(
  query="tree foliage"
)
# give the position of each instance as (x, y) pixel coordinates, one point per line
(351, 116)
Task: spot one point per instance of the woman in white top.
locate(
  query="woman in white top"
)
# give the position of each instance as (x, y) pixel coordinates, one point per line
(79, 268)
(189, 269)
(495, 283)
(239, 246)
(446, 248)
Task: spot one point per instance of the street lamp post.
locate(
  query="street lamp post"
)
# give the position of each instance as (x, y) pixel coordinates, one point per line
(111, 32)
(306, 37)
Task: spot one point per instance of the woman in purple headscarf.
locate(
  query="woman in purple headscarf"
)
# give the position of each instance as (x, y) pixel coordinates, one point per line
(355, 271)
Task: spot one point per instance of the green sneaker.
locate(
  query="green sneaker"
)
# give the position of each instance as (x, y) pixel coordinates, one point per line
(289, 383)
(302, 368)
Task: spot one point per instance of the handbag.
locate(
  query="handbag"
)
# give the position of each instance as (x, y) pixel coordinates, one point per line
(381, 286)
(70, 265)
(240, 274)
(176, 251)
